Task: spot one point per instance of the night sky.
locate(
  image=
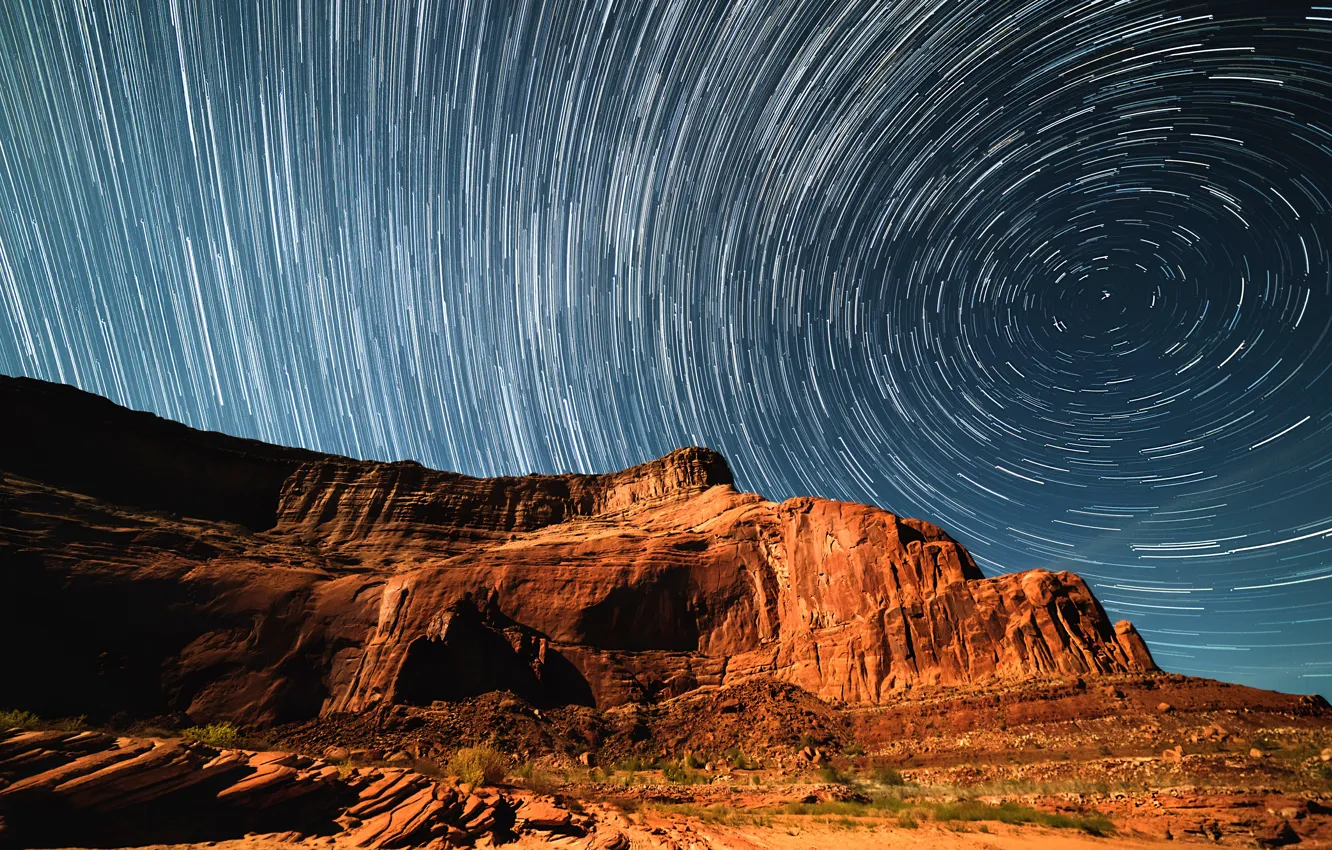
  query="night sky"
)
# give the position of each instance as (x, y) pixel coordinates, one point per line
(1053, 275)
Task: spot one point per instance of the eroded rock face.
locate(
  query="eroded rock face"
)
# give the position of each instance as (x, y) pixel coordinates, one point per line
(226, 578)
(93, 790)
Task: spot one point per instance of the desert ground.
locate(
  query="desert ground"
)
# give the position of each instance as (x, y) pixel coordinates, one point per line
(1133, 762)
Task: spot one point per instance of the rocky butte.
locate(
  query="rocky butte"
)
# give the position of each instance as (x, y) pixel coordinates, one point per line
(153, 569)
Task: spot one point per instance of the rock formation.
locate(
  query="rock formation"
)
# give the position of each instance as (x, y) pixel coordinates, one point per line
(153, 569)
(90, 789)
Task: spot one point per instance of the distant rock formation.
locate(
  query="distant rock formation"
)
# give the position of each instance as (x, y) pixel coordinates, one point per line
(150, 568)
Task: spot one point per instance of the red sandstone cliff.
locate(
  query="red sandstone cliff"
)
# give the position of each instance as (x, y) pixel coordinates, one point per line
(152, 568)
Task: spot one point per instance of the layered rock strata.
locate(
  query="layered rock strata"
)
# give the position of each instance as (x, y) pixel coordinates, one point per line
(156, 569)
(91, 789)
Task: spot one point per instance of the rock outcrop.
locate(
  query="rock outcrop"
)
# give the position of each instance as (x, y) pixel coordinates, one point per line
(153, 569)
(90, 789)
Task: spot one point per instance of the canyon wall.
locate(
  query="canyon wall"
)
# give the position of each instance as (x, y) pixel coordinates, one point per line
(154, 569)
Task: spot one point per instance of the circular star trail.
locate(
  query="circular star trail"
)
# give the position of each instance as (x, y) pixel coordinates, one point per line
(1052, 275)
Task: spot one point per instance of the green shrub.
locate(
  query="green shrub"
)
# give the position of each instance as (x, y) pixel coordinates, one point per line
(680, 774)
(737, 759)
(907, 821)
(633, 764)
(18, 720)
(535, 779)
(478, 765)
(673, 772)
(832, 775)
(889, 776)
(718, 813)
(219, 735)
(1093, 823)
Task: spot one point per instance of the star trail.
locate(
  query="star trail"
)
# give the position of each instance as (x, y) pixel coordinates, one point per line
(1055, 276)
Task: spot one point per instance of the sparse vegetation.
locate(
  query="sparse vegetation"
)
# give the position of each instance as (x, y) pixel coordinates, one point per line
(26, 720)
(219, 735)
(737, 759)
(903, 808)
(719, 813)
(681, 773)
(633, 764)
(887, 776)
(16, 719)
(830, 774)
(478, 765)
(1093, 823)
(534, 778)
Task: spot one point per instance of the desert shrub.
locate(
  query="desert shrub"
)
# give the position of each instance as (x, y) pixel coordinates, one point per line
(478, 765)
(1264, 742)
(737, 759)
(718, 813)
(535, 779)
(219, 735)
(1093, 823)
(830, 774)
(876, 807)
(889, 776)
(680, 774)
(906, 820)
(853, 749)
(625, 779)
(673, 772)
(18, 720)
(633, 764)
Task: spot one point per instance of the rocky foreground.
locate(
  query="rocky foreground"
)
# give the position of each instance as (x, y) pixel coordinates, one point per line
(89, 788)
(1176, 761)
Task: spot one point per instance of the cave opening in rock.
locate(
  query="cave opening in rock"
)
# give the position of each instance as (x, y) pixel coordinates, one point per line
(479, 653)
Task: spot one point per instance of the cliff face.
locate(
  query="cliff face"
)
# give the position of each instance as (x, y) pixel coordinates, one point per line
(154, 568)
